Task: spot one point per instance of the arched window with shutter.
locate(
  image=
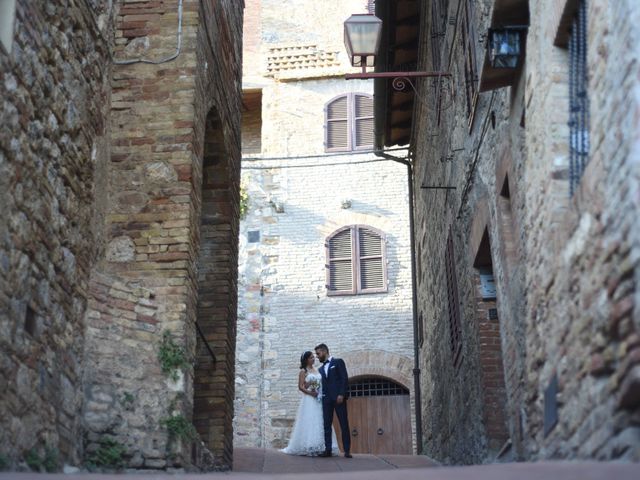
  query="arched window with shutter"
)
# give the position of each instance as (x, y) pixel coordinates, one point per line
(356, 261)
(349, 123)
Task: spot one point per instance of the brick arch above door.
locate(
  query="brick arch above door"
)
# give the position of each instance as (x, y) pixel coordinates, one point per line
(345, 217)
(365, 363)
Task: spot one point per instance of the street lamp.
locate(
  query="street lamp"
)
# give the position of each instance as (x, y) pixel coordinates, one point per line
(362, 34)
(504, 46)
(362, 39)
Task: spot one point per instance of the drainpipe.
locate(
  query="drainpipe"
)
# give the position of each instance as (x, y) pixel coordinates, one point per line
(414, 298)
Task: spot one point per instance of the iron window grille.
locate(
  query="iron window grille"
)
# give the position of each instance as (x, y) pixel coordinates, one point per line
(356, 261)
(375, 387)
(439, 12)
(471, 77)
(455, 330)
(349, 123)
(578, 98)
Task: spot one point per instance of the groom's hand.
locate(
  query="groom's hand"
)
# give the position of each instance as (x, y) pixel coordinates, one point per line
(339, 399)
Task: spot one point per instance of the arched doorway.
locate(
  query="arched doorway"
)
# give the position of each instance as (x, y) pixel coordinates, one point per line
(379, 416)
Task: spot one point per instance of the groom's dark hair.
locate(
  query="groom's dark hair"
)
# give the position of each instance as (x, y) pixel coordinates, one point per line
(322, 346)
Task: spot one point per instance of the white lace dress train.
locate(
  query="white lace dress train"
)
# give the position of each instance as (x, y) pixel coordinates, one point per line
(307, 437)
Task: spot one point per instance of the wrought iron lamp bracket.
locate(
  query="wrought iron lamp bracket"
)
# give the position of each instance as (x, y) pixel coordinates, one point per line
(401, 79)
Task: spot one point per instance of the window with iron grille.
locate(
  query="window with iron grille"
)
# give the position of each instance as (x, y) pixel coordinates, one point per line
(375, 387)
(468, 36)
(578, 98)
(439, 21)
(455, 330)
(349, 123)
(439, 13)
(356, 261)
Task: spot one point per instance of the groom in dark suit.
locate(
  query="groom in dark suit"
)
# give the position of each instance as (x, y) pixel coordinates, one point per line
(335, 388)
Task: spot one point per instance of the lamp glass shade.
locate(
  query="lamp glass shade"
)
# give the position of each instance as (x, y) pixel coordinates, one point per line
(504, 48)
(362, 38)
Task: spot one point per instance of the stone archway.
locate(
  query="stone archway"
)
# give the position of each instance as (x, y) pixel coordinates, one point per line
(217, 299)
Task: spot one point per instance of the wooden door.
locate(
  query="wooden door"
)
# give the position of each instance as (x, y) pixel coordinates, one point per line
(379, 424)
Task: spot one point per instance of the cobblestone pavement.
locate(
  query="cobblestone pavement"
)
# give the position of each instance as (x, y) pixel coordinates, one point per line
(257, 464)
(253, 460)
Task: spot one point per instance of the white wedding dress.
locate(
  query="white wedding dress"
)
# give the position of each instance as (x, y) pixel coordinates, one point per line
(307, 437)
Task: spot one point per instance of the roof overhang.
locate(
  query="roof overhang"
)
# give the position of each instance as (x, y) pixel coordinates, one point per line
(398, 52)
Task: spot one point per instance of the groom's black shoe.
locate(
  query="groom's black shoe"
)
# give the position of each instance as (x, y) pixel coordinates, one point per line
(347, 455)
(325, 454)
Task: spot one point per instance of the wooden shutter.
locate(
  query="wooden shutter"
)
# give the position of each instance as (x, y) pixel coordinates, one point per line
(340, 265)
(371, 261)
(356, 261)
(338, 124)
(363, 121)
(454, 304)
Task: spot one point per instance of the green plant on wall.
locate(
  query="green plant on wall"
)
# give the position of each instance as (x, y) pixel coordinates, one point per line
(172, 356)
(126, 400)
(179, 427)
(4, 463)
(109, 455)
(49, 462)
(33, 460)
(244, 201)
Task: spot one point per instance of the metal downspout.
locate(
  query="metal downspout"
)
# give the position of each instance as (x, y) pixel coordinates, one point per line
(414, 297)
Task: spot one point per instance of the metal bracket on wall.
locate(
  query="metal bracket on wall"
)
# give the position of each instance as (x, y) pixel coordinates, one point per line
(444, 90)
(451, 156)
(401, 79)
(437, 187)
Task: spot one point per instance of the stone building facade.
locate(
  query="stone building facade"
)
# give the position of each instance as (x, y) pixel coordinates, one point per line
(121, 162)
(298, 195)
(54, 85)
(527, 290)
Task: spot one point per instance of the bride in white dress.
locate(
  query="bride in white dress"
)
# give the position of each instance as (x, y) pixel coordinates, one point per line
(307, 437)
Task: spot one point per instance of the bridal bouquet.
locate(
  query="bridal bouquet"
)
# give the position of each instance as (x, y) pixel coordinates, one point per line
(314, 386)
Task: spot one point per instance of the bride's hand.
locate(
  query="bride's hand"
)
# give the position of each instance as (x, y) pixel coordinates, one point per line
(314, 394)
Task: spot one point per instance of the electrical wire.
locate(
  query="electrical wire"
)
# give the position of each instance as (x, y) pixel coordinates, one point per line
(312, 165)
(469, 179)
(322, 155)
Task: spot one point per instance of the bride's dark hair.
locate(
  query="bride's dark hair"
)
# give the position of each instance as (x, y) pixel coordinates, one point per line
(303, 360)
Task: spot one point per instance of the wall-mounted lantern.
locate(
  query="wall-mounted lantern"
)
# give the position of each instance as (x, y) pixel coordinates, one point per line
(362, 39)
(505, 47)
(362, 33)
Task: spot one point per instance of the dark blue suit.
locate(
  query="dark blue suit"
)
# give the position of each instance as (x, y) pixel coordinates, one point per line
(335, 383)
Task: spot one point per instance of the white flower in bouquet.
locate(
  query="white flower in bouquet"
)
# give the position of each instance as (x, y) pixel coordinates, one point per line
(315, 386)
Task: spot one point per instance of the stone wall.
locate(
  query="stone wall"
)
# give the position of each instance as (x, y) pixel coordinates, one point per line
(54, 91)
(148, 281)
(565, 267)
(583, 322)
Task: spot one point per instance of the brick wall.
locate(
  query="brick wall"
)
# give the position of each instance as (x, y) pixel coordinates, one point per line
(148, 281)
(53, 150)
